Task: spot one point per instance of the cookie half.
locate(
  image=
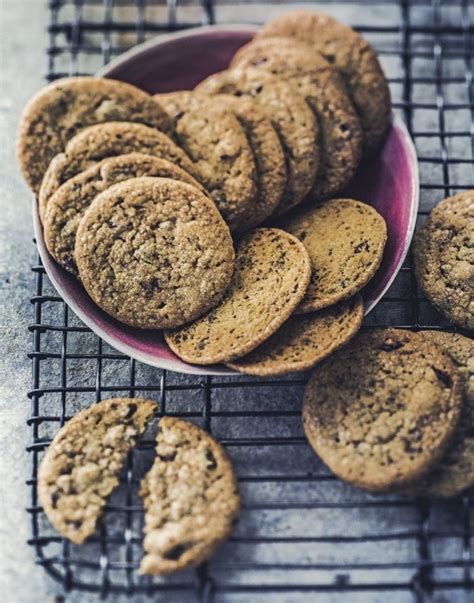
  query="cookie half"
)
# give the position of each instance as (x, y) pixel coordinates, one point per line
(292, 118)
(66, 106)
(345, 240)
(108, 140)
(83, 462)
(455, 471)
(191, 499)
(381, 411)
(272, 272)
(444, 258)
(303, 341)
(321, 85)
(154, 253)
(353, 57)
(67, 206)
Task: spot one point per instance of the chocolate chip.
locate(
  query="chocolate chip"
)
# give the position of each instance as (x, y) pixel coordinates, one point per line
(167, 457)
(175, 553)
(212, 460)
(132, 409)
(443, 377)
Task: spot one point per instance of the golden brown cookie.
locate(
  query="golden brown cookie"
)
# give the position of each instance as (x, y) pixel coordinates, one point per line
(83, 462)
(455, 471)
(303, 341)
(108, 140)
(321, 85)
(67, 206)
(345, 240)
(272, 271)
(291, 117)
(381, 411)
(66, 106)
(154, 252)
(353, 57)
(191, 499)
(444, 258)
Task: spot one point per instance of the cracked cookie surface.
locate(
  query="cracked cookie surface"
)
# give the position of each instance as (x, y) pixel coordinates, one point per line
(345, 240)
(81, 466)
(68, 105)
(108, 140)
(154, 253)
(381, 411)
(67, 206)
(444, 258)
(191, 498)
(272, 271)
(303, 341)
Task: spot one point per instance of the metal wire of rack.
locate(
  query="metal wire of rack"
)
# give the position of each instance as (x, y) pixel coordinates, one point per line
(304, 535)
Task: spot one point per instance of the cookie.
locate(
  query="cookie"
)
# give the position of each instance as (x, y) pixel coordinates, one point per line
(455, 471)
(353, 57)
(216, 142)
(381, 411)
(108, 140)
(191, 499)
(264, 143)
(345, 240)
(292, 118)
(83, 462)
(154, 253)
(303, 341)
(444, 258)
(272, 272)
(69, 203)
(66, 106)
(321, 85)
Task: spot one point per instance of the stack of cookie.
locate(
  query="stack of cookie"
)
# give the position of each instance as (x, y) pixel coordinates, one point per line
(143, 199)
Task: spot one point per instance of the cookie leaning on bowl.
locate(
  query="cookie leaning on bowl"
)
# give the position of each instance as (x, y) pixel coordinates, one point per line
(60, 110)
(154, 252)
(67, 206)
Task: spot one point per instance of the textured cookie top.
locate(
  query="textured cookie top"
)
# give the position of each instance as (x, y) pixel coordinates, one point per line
(66, 106)
(303, 341)
(444, 258)
(321, 85)
(154, 253)
(291, 116)
(272, 271)
(212, 136)
(69, 203)
(455, 471)
(345, 240)
(108, 140)
(381, 411)
(353, 57)
(82, 464)
(191, 498)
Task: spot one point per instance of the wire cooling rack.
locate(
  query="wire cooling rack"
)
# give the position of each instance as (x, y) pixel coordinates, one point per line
(304, 535)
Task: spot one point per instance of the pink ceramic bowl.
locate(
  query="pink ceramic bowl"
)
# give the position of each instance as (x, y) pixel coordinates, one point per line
(179, 61)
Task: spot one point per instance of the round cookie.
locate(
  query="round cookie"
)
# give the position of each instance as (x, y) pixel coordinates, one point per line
(58, 111)
(263, 140)
(272, 272)
(353, 57)
(455, 471)
(444, 258)
(83, 463)
(381, 411)
(154, 253)
(303, 341)
(345, 240)
(108, 140)
(191, 499)
(216, 142)
(292, 118)
(69, 203)
(315, 79)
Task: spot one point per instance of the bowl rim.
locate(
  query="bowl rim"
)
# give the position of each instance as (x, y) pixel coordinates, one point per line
(180, 366)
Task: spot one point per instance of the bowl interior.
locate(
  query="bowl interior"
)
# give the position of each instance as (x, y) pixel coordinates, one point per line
(180, 61)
